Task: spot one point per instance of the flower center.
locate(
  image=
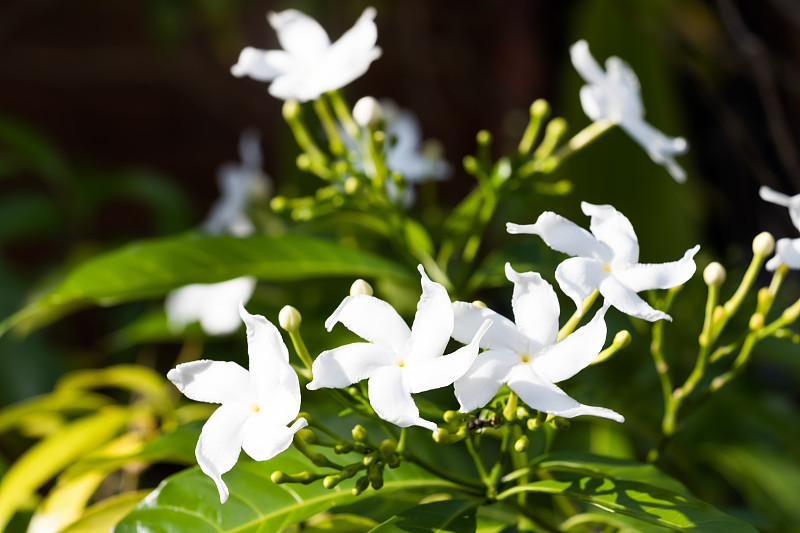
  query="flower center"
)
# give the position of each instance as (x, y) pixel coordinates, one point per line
(525, 357)
(256, 408)
(401, 363)
(607, 267)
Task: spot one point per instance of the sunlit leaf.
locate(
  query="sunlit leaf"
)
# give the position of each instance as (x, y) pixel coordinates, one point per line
(101, 517)
(340, 523)
(152, 268)
(66, 401)
(65, 503)
(449, 516)
(142, 380)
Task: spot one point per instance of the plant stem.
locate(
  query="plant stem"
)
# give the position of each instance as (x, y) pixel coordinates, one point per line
(569, 327)
(329, 124)
(583, 138)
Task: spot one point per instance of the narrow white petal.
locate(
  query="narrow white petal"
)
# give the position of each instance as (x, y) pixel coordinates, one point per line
(182, 304)
(535, 307)
(348, 364)
(564, 236)
(212, 381)
(659, 275)
(578, 277)
(264, 438)
(586, 65)
(542, 395)
(614, 229)
(658, 146)
(484, 378)
(373, 320)
(391, 399)
(502, 335)
(351, 55)
(299, 34)
(433, 322)
(439, 372)
(220, 442)
(627, 301)
(787, 252)
(294, 85)
(261, 65)
(627, 90)
(574, 352)
(594, 101)
(219, 310)
(771, 195)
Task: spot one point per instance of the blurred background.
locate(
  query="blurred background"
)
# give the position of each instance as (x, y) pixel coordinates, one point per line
(115, 116)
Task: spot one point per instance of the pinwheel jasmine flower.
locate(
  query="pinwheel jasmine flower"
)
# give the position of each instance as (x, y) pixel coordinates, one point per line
(398, 361)
(607, 259)
(787, 251)
(614, 94)
(256, 405)
(309, 64)
(213, 305)
(526, 355)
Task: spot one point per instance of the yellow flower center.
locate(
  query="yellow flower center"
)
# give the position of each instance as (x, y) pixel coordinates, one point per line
(401, 363)
(256, 408)
(607, 268)
(525, 357)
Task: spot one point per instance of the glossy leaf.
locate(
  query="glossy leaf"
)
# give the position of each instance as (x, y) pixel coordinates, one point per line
(136, 378)
(66, 502)
(449, 516)
(50, 455)
(189, 501)
(340, 523)
(101, 517)
(152, 268)
(66, 401)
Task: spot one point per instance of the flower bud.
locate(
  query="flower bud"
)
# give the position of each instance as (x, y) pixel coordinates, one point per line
(307, 435)
(441, 436)
(622, 338)
(534, 423)
(763, 244)
(289, 318)
(331, 481)
(522, 444)
(375, 474)
(540, 108)
(471, 165)
(483, 137)
(479, 303)
(559, 422)
(362, 484)
(343, 447)
(763, 296)
(351, 185)
(756, 321)
(360, 286)
(359, 434)
(303, 162)
(278, 477)
(278, 203)
(714, 274)
(451, 416)
(522, 413)
(291, 110)
(367, 112)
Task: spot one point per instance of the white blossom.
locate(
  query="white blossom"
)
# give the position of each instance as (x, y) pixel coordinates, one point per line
(525, 354)
(607, 259)
(787, 251)
(397, 361)
(257, 404)
(614, 94)
(309, 63)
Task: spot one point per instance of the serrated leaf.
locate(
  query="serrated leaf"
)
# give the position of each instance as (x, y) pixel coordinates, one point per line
(449, 516)
(189, 501)
(645, 502)
(50, 455)
(152, 268)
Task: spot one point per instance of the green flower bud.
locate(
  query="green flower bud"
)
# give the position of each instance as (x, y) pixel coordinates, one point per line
(756, 321)
(471, 165)
(540, 108)
(522, 413)
(351, 185)
(359, 434)
(278, 477)
(387, 447)
(483, 137)
(440, 436)
(375, 475)
(331, 481)
(451, 416)
(303, 162)
(343, 447)
(278, 203)
(289, 318)
(522, 444)
(307, 435)
(622, 338)
(479, 303)
(291, 110)
(362, 484)
(360, 286)
(763, 244)
(559, 422)
(714, 274)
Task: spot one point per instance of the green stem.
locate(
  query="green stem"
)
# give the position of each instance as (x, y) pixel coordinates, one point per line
(468, 484)
(732, 305)
(401, 443)
(582, 139)
(569, 327)
(302, 352)
(343, 113)
(329, 124)
(477, 459)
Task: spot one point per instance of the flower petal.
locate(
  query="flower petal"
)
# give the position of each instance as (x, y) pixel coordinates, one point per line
(351, 55)
(614, 229)
(391, 399)
(261, 65)
(484, 378)
(299, 34)
(660, 275)
(658, 146)
(373, 320)
(220, 442)
(541, 395)
(586, 65)
(564, 236)
(792, 202)
(787, 252)
(439, 372)
(348, 364)
(264, 438)
(502, 335)
(573, 353)
(212, 381)
(535, 308)
(433, 322)
(578, 277)
(218, 314)
(627, 301)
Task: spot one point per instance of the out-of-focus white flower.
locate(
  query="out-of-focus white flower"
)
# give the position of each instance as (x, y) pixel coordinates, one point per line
(526, 355)
(214, 305)
(309, 64)
(398, 361)
(256, 405)
(607, 260)
(787, 251)
(367, 111)
(614, 94)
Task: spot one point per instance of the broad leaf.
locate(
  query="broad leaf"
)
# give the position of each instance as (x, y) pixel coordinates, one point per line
(101, 517)
(152, 268)
(189, 501)
(449, 516)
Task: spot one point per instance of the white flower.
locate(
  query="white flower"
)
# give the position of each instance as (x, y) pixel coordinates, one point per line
(787, 251)
(526, 355)
(256, 404)
(214, 305)
(309, 64)
(398, 361)
(615, 95)
(607, 260)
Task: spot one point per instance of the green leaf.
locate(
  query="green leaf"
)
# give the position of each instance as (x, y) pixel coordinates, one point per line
(189, 501)
(150, 269)
(341, 523)
(645, 502)
(139, 379)
(449, 516)
(66, 401)
(50, 455)
(101, 517)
